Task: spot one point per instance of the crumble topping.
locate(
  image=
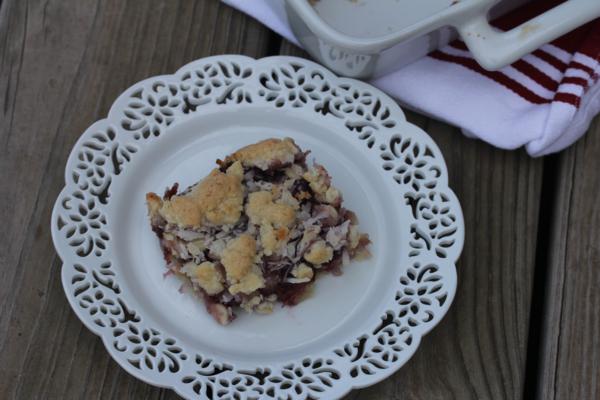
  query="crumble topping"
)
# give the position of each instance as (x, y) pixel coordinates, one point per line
(301, 273)
(272, 239)
(206, 275)
(217, 200)
(262, 210)
(257, 230)
(238, 257)
(266, 154)
(319, 253)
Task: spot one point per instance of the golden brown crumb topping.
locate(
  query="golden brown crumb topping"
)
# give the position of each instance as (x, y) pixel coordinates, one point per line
(316, 181)
(154, 203)
(257, 230)
(249, 283)
(266, 153)
(218, 200)
(319, 253)
(262, 210)
(238, 257)
(319, 182)
(239, 262)
(266, 307)
(206, 275)
(301, 273)
(272, 239)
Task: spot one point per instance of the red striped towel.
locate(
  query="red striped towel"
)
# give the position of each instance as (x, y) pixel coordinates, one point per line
(544, 101)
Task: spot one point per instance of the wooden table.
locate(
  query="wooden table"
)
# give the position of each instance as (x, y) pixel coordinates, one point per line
(526, 319)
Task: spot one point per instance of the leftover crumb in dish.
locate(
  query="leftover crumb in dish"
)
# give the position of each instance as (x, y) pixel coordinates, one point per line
(257, 230)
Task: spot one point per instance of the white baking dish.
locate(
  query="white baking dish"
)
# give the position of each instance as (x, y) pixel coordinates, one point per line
(362, 38)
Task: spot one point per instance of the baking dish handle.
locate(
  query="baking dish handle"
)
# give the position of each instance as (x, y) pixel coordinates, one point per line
(494, 49)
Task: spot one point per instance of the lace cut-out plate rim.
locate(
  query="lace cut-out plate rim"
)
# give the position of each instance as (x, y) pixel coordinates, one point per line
(360, 115)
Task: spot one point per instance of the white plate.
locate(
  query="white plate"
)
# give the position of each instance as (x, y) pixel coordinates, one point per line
(355, 329)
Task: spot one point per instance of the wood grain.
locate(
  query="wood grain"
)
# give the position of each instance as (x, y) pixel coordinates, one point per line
(62, 64)
(570, 346)
(479, 349)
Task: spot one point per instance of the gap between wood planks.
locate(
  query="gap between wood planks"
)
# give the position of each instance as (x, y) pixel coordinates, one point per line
(548, 198)
(273, 44)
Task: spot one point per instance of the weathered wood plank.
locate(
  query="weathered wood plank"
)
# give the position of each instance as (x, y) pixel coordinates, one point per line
(479, 349)
(569, 362)
(62, 63)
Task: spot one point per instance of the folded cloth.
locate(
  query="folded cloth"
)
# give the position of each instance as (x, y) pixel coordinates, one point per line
(544, 101)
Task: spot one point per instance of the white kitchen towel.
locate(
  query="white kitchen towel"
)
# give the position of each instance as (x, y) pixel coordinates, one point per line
(545, 101)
